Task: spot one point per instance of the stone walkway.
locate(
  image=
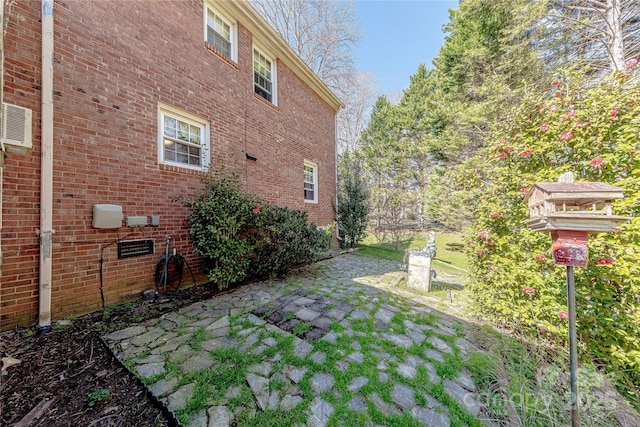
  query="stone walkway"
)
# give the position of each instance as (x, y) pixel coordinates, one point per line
(330, 346)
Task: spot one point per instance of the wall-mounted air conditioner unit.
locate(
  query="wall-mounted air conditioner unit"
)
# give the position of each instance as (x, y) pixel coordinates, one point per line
(15, 129)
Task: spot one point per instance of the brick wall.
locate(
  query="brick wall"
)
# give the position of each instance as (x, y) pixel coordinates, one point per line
(113, 63)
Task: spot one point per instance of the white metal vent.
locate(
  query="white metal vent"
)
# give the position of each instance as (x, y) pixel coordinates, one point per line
(15, 129)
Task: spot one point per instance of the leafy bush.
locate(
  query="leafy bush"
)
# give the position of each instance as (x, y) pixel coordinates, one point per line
(240, 236)
(592, 131)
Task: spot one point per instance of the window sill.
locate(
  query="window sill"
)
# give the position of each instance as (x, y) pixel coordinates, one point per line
(221, 55)
(181, 169)
(311, 202)
(266, 102)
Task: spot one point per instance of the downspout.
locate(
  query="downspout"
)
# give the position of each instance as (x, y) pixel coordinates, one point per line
(46, 172)
(1, 109)
(335, 151)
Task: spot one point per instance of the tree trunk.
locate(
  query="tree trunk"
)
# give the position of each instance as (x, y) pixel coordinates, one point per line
(614, 31)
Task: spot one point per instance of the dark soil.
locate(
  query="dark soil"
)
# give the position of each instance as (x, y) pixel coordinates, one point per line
(71, 366)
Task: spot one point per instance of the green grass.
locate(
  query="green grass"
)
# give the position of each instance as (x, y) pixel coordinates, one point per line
(448, 249)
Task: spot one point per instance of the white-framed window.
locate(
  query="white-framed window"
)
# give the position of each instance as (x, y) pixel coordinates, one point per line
(310, 182)
(183, 139)
(221, 34)
(264, 76)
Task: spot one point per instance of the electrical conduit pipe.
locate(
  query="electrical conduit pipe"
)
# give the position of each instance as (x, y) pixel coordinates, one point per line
(46, 171)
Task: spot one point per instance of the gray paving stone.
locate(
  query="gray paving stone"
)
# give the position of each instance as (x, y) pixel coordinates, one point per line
(359, 314)
(357, 383)
(331, 337)
(198, 362)
(433, 354)
(321, 382)
(260, 389)
(150, 369)
(220, 416)
(403, 396)
(178, 400)
(154, 358)
(274, 400)
(335, 314)
(270, 341)
(255, 320)
(250, 341)
(301, 348)
(181, 354)
(342, 365)
(302, 301)
(384, 314)
(465, 347)
(296, 374)
(358, 404)
(440, 344)
(171, 345)
(462, 396)
(464, 379)
(319, 357)
(383, 377)
(219, 343)
(406, 371)
(400, 340)
(321, 411)
(433, 375)
(126, 333)
(307, 314)
(151, 335)
(383, 406)
(263, 369)
(289, 402)
(198, 420)
(163, 387)
(417, 336)
(357, 357)
(429, 417)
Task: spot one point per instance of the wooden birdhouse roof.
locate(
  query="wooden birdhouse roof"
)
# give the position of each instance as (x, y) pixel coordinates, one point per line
(581, 192)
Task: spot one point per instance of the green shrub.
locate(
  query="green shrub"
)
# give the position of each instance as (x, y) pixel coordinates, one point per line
(592, 131)
(240, 236)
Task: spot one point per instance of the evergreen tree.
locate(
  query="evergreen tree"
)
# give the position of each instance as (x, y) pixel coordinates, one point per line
(353, 210)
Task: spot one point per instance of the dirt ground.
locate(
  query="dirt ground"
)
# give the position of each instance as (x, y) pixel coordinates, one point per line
(67, 371)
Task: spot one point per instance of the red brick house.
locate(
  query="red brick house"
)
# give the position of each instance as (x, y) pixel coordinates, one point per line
(136, 100)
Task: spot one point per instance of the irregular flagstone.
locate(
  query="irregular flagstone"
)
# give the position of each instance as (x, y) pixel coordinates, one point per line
(220, 327)
(440, 344)
(263, 369)
(198, 420)
(401, 340)
(359, 314)
(123, 334)
(260, 389)
(170, 345)
(384, 314)
(178, 400)
(433, 354)
(221, 342)
(296, 374)
(250, 341)
(429, 417)
(289, 402)
(403, 396)
(163, 387)
(150, 369)
(383, 406)
(464, 379)
(433, 375)
(151, 335)
(358, 404)
(198, 362)
(181, 354)
(319, 357)
(321, 382)
(154, 358)
(220, 416)
(417, 336)
(357, 383)
(307, 314)
(406, 371)
(463, 396)
(357, 357)
(301, 348)
(274, 400)
(321, 410)
(465, 347)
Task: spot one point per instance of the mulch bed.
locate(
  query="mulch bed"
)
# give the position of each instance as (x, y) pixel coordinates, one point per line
(61, 369)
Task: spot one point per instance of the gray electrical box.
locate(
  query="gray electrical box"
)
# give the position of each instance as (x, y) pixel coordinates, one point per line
(155, 220)
(107, 216)
(136, 221)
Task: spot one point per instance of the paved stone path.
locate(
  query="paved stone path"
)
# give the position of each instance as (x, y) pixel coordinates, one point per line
(330, 346)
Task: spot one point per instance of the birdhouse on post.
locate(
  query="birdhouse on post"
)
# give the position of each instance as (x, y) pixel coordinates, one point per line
(570, 211)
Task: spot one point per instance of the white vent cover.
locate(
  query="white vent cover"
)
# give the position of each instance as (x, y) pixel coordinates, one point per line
(15, 129)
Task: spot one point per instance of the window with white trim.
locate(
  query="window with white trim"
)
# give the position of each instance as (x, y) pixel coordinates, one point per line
(184, 139)
(264, 76)
(310, 182)
(220, 34)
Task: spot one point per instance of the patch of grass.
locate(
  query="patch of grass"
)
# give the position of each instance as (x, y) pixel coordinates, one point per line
(302, 328)
(198, 337)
